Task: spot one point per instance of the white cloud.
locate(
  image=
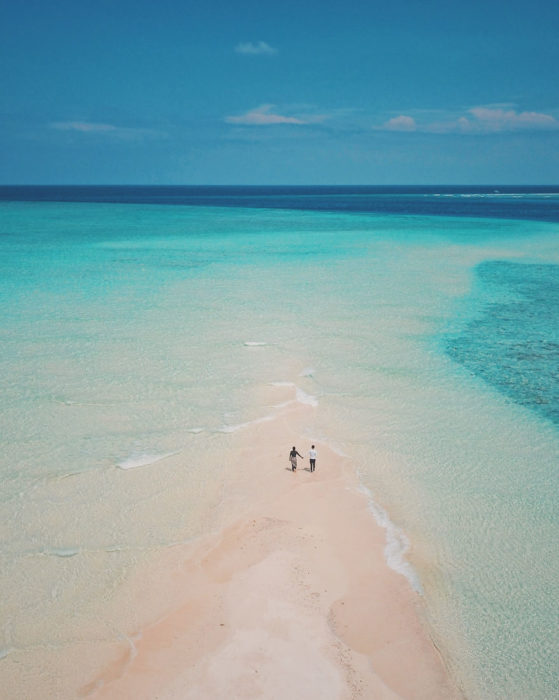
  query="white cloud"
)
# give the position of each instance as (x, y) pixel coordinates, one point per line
(264, 116)
(400, 123)
(491, 119)
(84, 127)
(476, 120)
(102, 128)
(255, 48)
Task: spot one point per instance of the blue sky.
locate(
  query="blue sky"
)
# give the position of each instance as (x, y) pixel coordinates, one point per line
(291, 92)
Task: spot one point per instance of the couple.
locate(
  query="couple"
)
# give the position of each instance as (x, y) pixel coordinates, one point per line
(293, 458)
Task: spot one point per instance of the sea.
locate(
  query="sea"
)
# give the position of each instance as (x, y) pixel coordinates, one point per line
(138, 328)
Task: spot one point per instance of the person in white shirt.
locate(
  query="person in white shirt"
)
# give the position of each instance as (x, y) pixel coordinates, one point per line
(312, 458)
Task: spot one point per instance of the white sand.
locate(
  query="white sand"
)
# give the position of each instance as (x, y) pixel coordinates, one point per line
(291, 599)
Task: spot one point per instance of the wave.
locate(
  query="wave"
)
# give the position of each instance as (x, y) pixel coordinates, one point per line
(493, 195)
(284, 404)
(397, 544)
(241, 426)
(254, 344)
(307, 399)
(300, 395)
(63, 552)
(142, 459)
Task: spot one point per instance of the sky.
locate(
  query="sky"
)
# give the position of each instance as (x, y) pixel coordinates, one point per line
(292, 92)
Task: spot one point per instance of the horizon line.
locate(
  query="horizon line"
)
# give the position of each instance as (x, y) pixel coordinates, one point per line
(140, 184)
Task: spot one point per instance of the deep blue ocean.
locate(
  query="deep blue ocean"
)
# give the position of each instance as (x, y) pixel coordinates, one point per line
(538, 202)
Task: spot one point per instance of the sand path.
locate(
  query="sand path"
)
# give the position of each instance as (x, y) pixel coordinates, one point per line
(291, 599)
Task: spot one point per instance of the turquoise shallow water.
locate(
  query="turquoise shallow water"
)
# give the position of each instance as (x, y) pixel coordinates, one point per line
(136, 338)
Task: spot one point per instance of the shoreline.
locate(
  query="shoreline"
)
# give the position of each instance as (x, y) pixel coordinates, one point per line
(291, 594)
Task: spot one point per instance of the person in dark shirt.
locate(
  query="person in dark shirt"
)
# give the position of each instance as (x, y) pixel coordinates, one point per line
(293, 458)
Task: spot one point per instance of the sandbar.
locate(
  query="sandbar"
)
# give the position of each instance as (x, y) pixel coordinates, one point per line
(289, 597)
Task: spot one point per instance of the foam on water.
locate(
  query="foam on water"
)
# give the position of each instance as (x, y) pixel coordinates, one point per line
(141, 459)
(243, 426)
(304, 398)
(284, 404)
(61, 552)
(397, 544)
(300, 395)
